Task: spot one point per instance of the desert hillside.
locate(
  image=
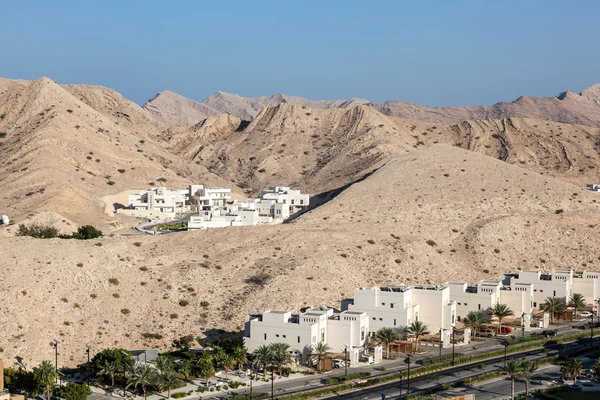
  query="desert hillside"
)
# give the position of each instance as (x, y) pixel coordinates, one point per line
(63, 148)
(435, 214)
(567, 107)
(173, 109)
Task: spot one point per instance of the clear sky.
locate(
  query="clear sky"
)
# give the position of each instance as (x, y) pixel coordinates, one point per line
(446, 52)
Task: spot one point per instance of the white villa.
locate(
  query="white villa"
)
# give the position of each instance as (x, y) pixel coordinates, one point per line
(348, 329)
(159, 200)
(439, 307)
(274, 205)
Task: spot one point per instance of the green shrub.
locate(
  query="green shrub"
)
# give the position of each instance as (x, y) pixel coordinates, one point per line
(179, 395)
(37, 231)
(87, 232)
(74, 391)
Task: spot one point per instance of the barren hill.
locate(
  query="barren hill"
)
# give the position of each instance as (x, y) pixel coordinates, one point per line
(64, 148)
(437, 213)
(567, 107)
(176, 110)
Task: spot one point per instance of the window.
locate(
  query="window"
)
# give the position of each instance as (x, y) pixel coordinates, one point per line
(383, 304)
(541, 291)
(284, 336)
(479, 307)
(381, 319)
(292, 201)
(391, 305)
(298, 339)
(459, 303)
(362, 333)
(265, 336)
(301, 201)
(534, 304)
(277, 335)
(458, 318)
(394, 321)
(374, 319)
(465, 304)
(554, 293)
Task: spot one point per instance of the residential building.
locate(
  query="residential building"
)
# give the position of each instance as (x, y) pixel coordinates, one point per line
(587, 283)
(558, 283)
(399, 306)
(478, 297)
(209, 198)
(285, 195)
(302, 331)
(159, 200)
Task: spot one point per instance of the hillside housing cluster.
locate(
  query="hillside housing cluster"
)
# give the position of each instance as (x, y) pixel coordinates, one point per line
(440, 307)
(215, 207)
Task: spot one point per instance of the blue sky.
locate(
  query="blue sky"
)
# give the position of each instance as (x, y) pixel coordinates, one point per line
(429, 52)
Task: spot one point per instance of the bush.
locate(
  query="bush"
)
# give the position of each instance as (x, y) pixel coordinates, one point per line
(37, 231)
(183, 303)
(87, 232)
(179, 395)
(74, 391)
(259, 279)
(118, 356)
(113, 281)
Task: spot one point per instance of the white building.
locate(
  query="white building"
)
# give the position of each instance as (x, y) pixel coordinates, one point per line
(211, 198)
(302, 331)
(159, 200)
(558, 283)
(399, 306)
(275, 205)
(587, 283)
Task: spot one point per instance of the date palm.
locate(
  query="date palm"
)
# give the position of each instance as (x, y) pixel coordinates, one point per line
(227, 362)
(240, 355)
(205, 368)
(168, 380)
(280, 355)
(474, 320)
(263, 357)
(417, 328)
(45, 375)
(387, 336)
(528, 368)
(164, 363)
(145, 375)
(110, 369)
(575, 368)
(318, 353)
(501, 311)
(514, 369)
(554, 306)
(577, 301)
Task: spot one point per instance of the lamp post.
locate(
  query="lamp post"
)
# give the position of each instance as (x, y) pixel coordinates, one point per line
(55, 344)
(505, 344)
(592, 331)
(453, 341)
(345, 360)
(251, 379)
(408, 376)
(272, 380)
(598, 310)
(88, 349)
(523, 325)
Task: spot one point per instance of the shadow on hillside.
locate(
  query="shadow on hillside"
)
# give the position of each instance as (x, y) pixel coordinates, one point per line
(324, 197)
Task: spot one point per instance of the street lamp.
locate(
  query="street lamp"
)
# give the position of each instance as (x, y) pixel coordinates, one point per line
(523, 325)
(272, 380)
(407, 376)
(453, 341)
(88, 348)
(55, 344)
(598, 310)
(345, 360)
(592, 331)
(505, 344)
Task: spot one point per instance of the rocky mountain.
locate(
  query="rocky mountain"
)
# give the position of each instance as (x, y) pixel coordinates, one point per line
(64, 147)
(567, 107)
(175, 110)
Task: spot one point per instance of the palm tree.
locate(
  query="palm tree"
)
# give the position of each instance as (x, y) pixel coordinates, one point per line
(126, 369)
(145, 375)
(205, 368)
(110, 369)
(227, 362)
(387, 336)
(240, 355)
(164, 363)
(168, 380)
(417, 328)
(474, 320)
(185, 369)
(527, 370)
(45, 375)
(501, 311)
(596, 369)
(318, 353)
(280, 355)
(263, 357)
(512, 368)
(554, 306)
(575, 368)
(577, 301)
